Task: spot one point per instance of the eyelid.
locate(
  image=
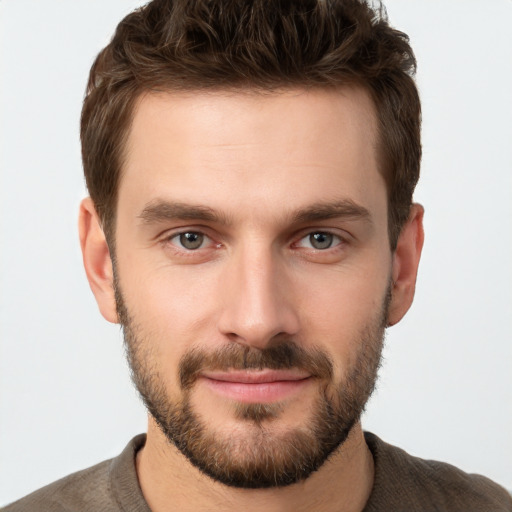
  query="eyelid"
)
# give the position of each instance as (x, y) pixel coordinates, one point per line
(335, 244)
(343, 236)
(169, 235)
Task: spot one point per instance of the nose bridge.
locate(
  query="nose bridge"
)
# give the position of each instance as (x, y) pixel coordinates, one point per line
(256, 308)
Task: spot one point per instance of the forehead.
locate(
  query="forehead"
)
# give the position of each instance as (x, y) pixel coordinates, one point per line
(248, 150)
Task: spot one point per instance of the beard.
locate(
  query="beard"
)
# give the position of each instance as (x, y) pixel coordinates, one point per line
(258, 455)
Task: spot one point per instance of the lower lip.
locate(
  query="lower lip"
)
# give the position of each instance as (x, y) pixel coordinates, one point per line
(256, 393)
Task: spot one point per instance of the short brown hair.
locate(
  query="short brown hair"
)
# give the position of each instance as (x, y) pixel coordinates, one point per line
(260, 44)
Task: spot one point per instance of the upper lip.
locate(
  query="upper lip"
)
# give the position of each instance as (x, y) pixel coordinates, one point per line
(256, 376)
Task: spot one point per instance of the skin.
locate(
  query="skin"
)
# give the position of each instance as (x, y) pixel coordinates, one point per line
(255, 161)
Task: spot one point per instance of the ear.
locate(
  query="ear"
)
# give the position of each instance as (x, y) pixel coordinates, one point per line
(406, 259)
(97, 261)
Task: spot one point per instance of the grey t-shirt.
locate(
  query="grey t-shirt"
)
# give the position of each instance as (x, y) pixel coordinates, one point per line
(402, 484)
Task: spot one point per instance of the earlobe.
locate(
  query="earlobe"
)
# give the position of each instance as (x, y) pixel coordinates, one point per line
(97, 260)
(406, 260)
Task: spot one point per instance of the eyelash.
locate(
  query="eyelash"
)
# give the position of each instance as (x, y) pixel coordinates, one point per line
(337, 240)
(332, 245)
(188, 232)
(182, 253)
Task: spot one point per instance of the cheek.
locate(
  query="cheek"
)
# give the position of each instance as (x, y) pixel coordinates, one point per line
(172, 308)
(338, 313)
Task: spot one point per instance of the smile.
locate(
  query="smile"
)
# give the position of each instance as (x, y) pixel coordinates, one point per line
(256, 386)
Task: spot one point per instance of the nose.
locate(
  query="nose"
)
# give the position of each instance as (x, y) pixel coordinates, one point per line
(257, 299)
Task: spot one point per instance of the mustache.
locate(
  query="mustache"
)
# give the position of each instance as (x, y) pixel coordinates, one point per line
(282, 355)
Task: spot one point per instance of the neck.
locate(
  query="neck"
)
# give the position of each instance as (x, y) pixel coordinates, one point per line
(169, 482)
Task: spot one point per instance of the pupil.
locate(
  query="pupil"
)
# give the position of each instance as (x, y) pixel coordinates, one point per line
(191, 240)
(321, 240)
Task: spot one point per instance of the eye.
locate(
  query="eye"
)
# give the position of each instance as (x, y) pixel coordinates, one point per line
(319, 240)
(190, 240)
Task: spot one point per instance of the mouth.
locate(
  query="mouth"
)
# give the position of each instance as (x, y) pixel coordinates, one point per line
(256, 386)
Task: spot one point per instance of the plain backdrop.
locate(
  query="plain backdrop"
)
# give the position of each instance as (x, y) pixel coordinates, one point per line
(445, 390)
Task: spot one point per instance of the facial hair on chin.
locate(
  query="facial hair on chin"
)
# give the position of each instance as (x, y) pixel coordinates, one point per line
(264, 458)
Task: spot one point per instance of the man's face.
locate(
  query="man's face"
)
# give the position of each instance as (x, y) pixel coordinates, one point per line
(252, 274)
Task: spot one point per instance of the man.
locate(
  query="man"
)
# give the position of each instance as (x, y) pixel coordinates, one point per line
(251, 226)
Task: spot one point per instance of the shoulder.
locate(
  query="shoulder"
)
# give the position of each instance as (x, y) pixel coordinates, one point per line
(422, 484)
(86, 488)
(109, 486)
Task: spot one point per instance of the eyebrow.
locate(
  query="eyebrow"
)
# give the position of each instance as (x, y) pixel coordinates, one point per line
(345, 208)
(162, 211)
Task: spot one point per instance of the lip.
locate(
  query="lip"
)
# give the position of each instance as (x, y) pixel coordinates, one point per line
(256, 386)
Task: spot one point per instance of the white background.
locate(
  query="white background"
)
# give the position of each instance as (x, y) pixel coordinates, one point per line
(445, 390)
